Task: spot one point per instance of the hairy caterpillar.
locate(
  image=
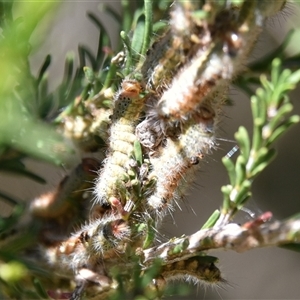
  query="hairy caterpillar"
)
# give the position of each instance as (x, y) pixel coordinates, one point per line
(195, 268)
(128, 105)
(177, 161)
(101, 239)
(87, 254)
(170, 52)
(205, 57)
(220, 46)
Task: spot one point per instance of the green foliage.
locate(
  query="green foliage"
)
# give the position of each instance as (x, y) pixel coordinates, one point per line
(20, 126)
(270, 110)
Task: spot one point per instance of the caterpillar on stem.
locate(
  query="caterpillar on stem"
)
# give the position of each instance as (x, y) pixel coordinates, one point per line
(129, 103)
(102, 239)
(178, 160)
(88, 253)
(170, 52)
(195, 269)
(219, 46)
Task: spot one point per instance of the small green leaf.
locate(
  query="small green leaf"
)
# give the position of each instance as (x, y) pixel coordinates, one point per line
(294, 78)
(283, 128)
(137, 39)
(151, 272)
(242, 137)
(212, 220)
(226, 190)
(243, 193)
(240, 170)
(87, 53)
(264, 162)
(151, 233)
(259, 111)
(110, 76)
(89, 74)
(129, 58)
(138, 153)
(39, 288)
(44, 67)
(148, 25)
(13, 271)
(254, 107)
(69, 67)
(160, 26)
(229, 165)
(276, 70)
(103, 41)
(263, 158)
(281, 113)
(127, 15)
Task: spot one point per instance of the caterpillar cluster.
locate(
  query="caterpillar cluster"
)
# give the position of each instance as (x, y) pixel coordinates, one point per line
(161, 127)
(185, 76)
(178, 160)
(187, 82)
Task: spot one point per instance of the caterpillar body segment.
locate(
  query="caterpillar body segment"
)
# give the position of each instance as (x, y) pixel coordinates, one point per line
(176, 162)
(129, 103)
(194, 269)
(220, 45)
(168, 53)
(176, 46)
(126, 101)
(197, 269)
(184, 91)
(216, 39)
(102, 239)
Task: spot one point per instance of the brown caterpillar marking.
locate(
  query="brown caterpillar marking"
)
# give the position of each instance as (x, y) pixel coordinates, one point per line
(169, 52)
(195, 269)
(223, 46)
(177, 161)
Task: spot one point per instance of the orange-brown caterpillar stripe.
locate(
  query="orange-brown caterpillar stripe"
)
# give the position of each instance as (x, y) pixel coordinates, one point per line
(220, 54)
(176, 161)
(194, 268)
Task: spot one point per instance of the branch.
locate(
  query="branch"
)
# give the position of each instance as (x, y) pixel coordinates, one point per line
(231, 236)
